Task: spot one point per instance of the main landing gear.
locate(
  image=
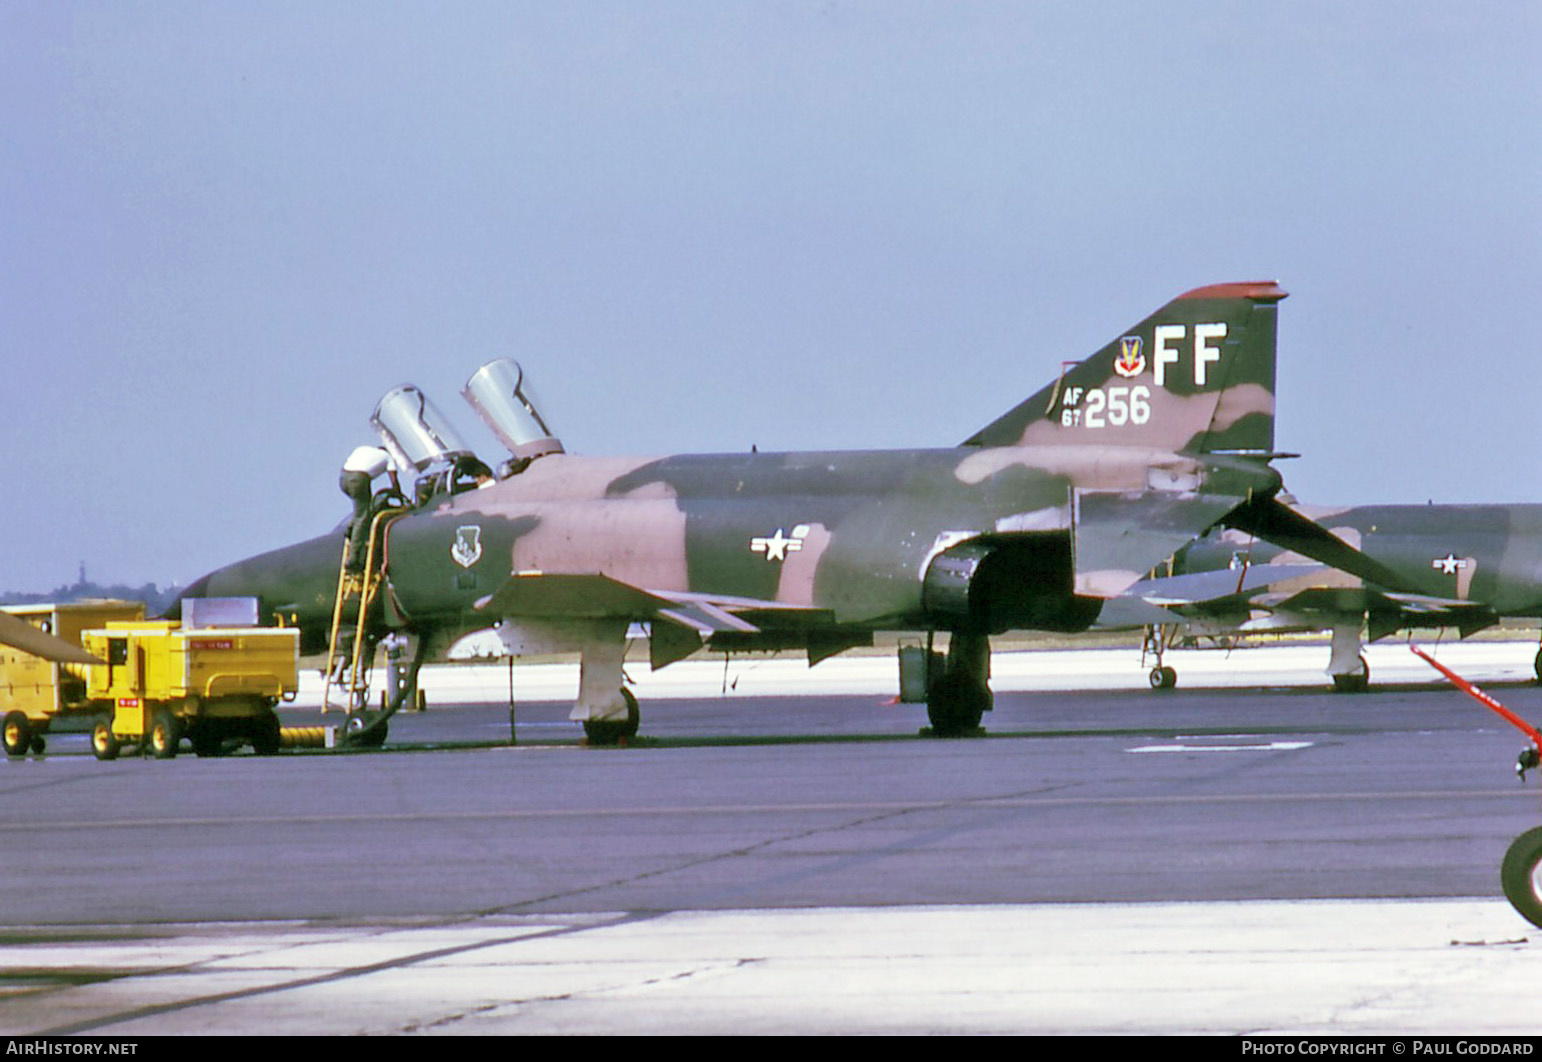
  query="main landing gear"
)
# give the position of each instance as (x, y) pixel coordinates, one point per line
(607, 710)
(1347, 666)
(1155, 643)
(957, 698)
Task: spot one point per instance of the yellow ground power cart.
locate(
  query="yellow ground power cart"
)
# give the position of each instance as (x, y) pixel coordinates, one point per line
(39, 691)
(212, 685)
(150, 683)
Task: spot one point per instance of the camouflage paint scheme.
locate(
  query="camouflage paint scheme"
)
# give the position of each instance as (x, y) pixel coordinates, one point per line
(1066, 500)
(1462, 566)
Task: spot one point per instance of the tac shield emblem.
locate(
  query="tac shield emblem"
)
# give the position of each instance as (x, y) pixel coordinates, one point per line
(1130, 362)
(467, 549)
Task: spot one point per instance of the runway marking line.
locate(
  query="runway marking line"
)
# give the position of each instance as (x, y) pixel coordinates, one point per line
(1269, 746)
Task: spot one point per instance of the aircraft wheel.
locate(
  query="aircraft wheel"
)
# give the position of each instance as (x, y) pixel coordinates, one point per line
(1163, 678)
(165, 735)
(956, 704)
(17, 733)
(1521, 875)
(615, 731)
(1536, 665)
(1358, 681)
(371, 738)
(104, 743)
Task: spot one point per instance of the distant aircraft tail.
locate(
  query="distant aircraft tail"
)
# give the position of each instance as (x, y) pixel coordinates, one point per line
(1196, 376)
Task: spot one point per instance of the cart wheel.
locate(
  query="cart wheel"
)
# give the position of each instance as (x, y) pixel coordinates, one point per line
(38, 744)
(1521, 875)
(207, 739)
(17, 734)
(265, 735)
(103, 741)
(165, 735)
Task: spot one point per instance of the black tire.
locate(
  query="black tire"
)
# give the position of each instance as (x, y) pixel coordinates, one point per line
(38, 744)
(165, 735)
(1163, 678)
(1521, 875)
(1358, 681)
(956, 704)
(615, 731)
(265, 735)
(362, 735)
(104, 743)
(17, 732)
(1536, 665)
(207, 739)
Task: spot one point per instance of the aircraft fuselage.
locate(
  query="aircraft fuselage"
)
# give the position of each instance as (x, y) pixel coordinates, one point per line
(822, 539)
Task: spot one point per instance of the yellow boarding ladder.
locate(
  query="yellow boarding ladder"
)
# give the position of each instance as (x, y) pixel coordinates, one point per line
(360, 586)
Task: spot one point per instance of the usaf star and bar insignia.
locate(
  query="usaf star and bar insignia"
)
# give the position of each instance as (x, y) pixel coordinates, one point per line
(777, 546)
(1450, 564)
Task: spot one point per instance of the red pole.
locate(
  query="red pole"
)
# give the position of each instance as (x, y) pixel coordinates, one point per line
(1473, 691)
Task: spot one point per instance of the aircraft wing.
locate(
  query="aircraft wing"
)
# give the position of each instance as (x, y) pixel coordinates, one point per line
(19, 634)
(1257, 598)
(689, 619)
(560, 595)
(568, 596)
(1386, 611)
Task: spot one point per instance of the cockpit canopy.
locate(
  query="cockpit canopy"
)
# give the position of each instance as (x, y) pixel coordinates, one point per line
(414, 432)
(420, 439)
(501, 395)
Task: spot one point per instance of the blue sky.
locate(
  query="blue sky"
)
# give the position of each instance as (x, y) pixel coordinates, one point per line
(230, 227)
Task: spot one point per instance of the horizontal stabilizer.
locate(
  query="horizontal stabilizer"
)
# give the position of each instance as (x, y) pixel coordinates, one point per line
(1276, 522)
(1120, 536)
(1199, 587)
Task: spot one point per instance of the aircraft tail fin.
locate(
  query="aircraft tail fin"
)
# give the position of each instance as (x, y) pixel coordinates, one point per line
(1196, 376)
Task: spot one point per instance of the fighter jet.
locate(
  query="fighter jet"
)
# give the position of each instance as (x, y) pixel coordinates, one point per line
(1461, 566)
(1034, 521)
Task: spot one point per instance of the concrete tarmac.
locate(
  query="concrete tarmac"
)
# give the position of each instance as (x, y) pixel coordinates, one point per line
(1210, 860)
